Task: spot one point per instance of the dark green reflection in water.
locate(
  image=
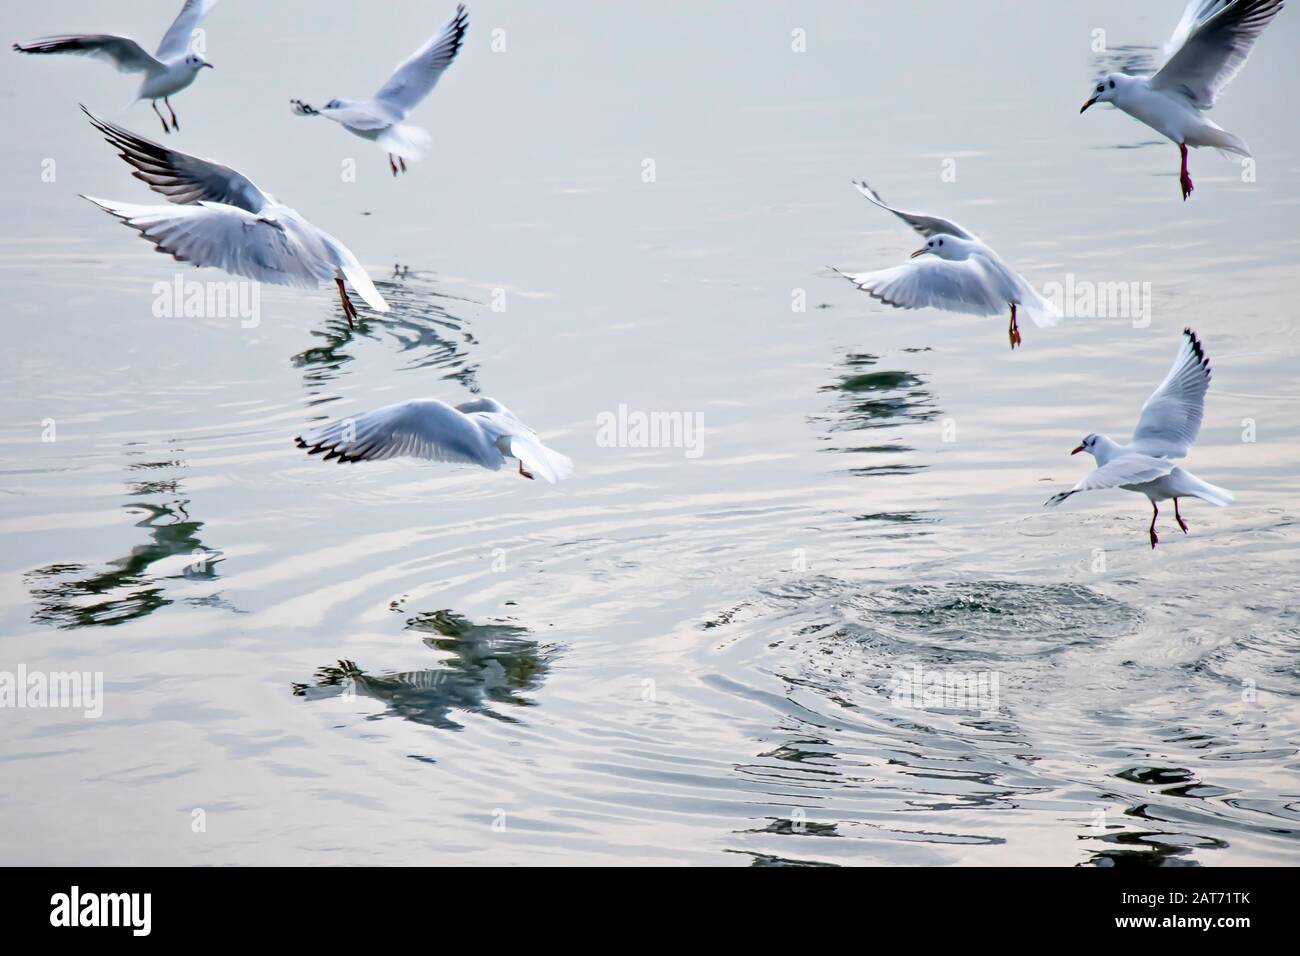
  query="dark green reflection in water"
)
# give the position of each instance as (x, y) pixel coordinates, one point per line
(867, 398)
(65, 593)
(425, 333)
(483, 665)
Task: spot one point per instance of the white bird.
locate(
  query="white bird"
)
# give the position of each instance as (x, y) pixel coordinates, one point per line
(221, 219)
(166, 73)
(958, 273)
(481, 432)
(1208, 48)
(380, 118)
(1166, 430)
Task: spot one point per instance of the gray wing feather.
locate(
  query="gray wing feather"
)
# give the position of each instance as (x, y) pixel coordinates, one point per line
(1125, 470)
(180, 177)
(416, 76)
(925, 225)
(229, 238)
(423, 428)
(176, 41)
(1171, 417)
(123, 53)
(930, 282)
(1216, 48)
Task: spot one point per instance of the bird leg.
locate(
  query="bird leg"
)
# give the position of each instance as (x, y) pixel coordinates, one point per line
(1155, 513)
(1181, 523)
(168, 101)
(161, 118)
(401, 162)
(526, 474)
(1184, 179)
(349, 309)
(392, 165)
(1013, 331)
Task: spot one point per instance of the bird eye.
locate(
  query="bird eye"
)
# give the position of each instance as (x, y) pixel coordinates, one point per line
(1101, 89)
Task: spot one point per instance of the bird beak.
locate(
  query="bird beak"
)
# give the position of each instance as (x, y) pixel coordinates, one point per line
(1077, 450)
(208, 65)
(1087, 104)
(919, 252)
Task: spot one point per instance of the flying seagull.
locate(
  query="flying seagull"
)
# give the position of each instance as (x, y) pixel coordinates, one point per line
(166, 73)
(1207, 50)
(481, 432)
(1170, 421)
(222, 219)
(380, 118)
(958, 273)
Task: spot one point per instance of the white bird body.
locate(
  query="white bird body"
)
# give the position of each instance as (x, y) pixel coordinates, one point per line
(954, 271)
(1209, 47)
(220, 218)
(1180, 483)
(1166, 431)
(1174, 117)
(480, 432)
(170, 80)
(380, 119)
(168, 71)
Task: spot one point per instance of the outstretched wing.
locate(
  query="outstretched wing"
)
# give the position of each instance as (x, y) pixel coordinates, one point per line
(423, 428)
(925, 225)
(1124, 470)
(1216, 48)
(1171, 417)
(123, 53)
(227, 238)
(954, 285)
(176, 41)
(416, 76)
(1195, 12)
(180, 177)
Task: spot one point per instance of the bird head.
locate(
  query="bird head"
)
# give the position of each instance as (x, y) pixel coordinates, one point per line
(196, 62)
(945, 247)
(1106, 90)
(1101, 448)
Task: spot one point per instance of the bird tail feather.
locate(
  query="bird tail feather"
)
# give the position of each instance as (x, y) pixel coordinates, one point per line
(360, 280)
(1225, 143)
(409, 142)
(1208, 492)
(1043, 312)
(541, 460)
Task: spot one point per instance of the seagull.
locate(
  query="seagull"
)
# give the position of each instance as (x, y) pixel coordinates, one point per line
(959, 273)
(1207, 50)
(222, 219)
(166, 73)
(1170, 421)
(481, 432)
(379, 118)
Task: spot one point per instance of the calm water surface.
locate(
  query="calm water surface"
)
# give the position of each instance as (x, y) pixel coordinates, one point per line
(667, 659)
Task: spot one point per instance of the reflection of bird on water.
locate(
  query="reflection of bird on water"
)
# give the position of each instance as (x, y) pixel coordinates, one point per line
(486, 664)
(69, 597)
(421, 326)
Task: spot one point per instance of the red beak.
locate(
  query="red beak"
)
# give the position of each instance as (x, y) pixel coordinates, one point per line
(1077, 450)
(919, 252)
(1087, 104)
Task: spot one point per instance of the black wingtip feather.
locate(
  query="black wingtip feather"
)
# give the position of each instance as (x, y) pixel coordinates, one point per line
(1198, 349)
